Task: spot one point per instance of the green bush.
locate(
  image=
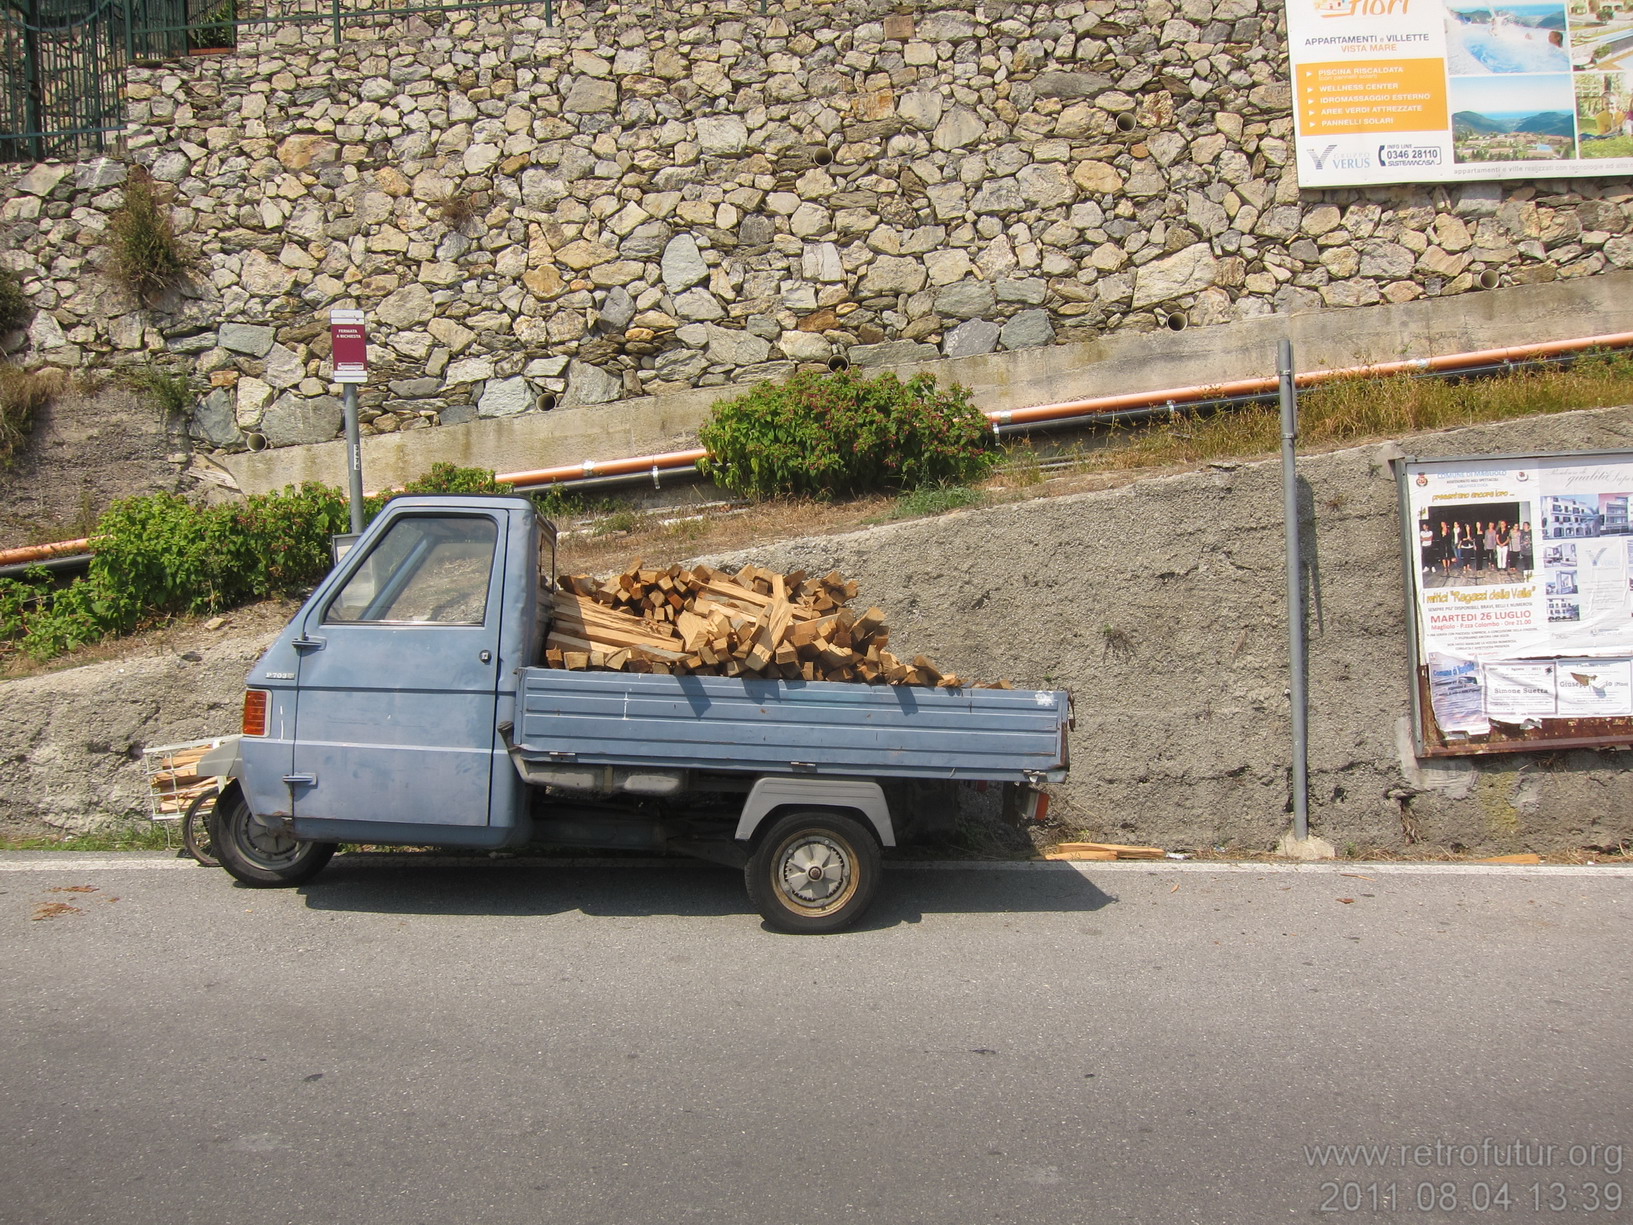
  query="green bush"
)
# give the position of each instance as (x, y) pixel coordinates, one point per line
(162, 554)
(837, 435)
(450, 478)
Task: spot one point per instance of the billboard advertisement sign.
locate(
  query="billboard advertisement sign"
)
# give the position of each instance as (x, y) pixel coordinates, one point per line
(1433, 91)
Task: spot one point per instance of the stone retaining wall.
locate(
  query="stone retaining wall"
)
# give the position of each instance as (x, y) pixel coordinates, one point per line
(643, 199)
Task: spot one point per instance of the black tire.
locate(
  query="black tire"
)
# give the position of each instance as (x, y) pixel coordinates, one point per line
(259, 855)
(196, 834)
(813, 872)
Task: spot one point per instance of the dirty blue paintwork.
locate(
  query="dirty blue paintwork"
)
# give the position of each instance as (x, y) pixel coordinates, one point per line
(791, 727)
(396, 722)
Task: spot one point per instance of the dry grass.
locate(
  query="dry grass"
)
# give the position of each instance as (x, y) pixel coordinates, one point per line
(23, 393)
(1350, 411)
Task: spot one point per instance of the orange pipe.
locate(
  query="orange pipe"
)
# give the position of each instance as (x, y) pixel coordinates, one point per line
(43, 552)
(603, 467)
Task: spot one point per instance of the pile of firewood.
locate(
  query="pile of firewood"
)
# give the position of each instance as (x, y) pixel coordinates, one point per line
(703, 621)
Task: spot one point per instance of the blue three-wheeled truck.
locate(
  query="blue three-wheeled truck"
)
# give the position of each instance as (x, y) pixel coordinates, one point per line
(403, 705)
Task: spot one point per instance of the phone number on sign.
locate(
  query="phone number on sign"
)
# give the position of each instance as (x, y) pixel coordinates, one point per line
(1445, 1196)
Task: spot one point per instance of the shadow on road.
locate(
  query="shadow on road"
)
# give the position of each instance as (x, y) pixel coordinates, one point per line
(688, 889)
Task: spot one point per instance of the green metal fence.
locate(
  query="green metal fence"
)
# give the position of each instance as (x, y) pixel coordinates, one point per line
(61, 77)
(62, 62)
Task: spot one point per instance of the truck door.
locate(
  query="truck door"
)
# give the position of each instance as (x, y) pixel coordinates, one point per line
(398, 676)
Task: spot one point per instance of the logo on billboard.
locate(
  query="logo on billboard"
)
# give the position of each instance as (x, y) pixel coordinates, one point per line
(1361, 8)
(1409, 155)
(1330, 159)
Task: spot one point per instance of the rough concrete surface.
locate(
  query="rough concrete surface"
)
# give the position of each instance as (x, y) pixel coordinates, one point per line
(74, 739)
(86, 450)
(1159, 604)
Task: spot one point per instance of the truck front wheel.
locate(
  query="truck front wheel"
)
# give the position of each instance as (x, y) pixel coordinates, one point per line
(813, 872)
(260, 855)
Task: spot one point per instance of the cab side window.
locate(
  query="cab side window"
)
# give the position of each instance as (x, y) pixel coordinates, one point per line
(426, 570)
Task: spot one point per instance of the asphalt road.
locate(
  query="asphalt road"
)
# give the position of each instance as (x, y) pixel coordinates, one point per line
(540, 1044)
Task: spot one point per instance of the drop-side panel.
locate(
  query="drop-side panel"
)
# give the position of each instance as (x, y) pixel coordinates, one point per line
(779, 727)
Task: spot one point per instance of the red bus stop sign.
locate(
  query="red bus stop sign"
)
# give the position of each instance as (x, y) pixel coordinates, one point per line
(351, 346)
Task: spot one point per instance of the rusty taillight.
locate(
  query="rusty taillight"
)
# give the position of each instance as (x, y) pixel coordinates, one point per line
(255, 711)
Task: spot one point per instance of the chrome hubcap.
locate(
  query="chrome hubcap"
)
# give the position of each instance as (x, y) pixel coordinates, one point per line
(265, 845)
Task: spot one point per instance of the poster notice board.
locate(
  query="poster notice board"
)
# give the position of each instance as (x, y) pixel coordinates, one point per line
(1434, 91)
(1521, 598)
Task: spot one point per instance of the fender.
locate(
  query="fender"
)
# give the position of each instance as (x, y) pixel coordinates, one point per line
(223, 761)
(861, 796)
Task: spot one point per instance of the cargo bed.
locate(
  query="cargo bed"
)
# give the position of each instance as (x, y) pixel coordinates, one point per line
(790, 727)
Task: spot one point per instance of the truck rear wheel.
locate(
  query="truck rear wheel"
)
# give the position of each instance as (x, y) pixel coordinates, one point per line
(813, 872)
(260, 855)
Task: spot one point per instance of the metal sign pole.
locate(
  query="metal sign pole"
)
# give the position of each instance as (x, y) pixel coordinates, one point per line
(351, 350)
(1295, 595)
(354, 456)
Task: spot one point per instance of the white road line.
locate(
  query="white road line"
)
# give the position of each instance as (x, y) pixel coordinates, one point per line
(85, 861)
(1349, 867)
(74, 861)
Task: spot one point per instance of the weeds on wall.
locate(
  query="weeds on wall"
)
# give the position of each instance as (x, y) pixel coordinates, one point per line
(15, 308)
(839, 435)
(459, 209)
(171, 393)
(931, 500)
(144, 254)
(23, 393)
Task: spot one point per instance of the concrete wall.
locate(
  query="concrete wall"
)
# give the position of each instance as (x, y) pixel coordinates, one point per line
(1160, 604)
(1111, 365)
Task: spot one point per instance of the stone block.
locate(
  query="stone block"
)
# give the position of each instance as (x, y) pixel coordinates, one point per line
(295, 420)
(505, 398)
(587, 384)
(683, 264)
(1027, 330)
(891, 353)
(252, 338)
(972, 338)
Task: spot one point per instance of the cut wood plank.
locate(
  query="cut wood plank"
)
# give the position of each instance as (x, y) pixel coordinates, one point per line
(1118, 850)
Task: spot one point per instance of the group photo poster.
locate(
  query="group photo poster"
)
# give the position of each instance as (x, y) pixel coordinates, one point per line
(1522, 591)
(1433, 91)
